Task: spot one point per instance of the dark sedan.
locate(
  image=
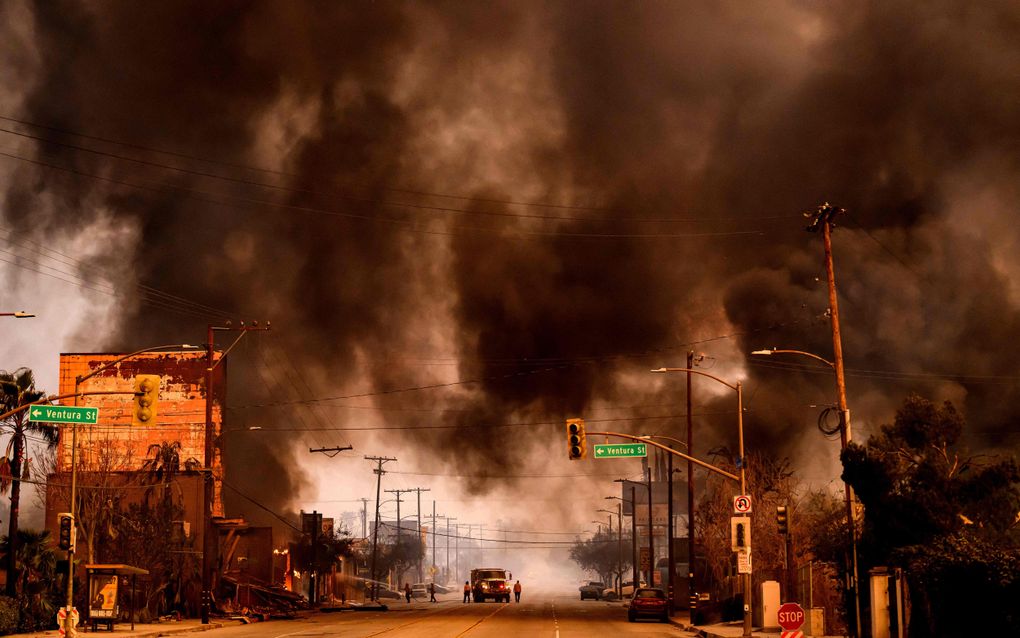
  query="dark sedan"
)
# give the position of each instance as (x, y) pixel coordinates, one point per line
(649, 601)
(592, 590)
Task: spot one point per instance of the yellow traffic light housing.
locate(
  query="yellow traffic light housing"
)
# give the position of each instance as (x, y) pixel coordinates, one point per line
(782, 519)
(146, 397)
(577, 447)
(65, 531)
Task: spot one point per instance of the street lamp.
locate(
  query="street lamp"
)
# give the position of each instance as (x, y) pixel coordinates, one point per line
(736, 387)
(671, 589)
(845, 438)
(619, 532)
(651, 528)
(619, 558)
(78, 380)
(21, 314)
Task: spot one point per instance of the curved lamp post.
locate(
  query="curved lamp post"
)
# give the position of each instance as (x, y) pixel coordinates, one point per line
(736, 387)
(845, 438)
(78, 380)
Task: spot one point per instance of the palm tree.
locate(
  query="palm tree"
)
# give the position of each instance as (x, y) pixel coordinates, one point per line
(162, 465)
(17, 389)
(34, 555)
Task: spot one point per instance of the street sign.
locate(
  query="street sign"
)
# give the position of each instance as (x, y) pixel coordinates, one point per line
(621, 451)
(791, 616)
(63, 414)
(742, 504)
(744, 561)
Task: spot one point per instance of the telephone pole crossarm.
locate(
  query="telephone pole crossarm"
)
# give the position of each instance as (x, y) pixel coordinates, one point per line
(327, 450)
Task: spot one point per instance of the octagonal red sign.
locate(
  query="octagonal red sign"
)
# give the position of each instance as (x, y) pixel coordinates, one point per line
(791, 616)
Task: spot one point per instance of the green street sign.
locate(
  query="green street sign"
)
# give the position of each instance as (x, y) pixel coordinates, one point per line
(63, 414)
(621, 451)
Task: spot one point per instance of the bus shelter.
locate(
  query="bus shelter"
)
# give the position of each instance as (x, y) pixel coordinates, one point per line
(105, 593)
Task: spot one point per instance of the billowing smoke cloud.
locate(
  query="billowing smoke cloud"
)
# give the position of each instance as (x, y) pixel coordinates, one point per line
(672, 144)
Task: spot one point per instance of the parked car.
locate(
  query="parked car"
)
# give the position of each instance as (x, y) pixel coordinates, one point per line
(592, 590)
(628, 590)
(649, 601)
(419, 590)
(389, 593)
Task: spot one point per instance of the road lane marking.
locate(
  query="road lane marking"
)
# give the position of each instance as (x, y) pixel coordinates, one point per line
(481, 620)
(428, 613)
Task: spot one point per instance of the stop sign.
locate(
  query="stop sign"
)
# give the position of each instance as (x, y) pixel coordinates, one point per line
(791, 616)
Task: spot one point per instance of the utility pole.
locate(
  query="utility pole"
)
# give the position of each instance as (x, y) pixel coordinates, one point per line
(209, 542)
(651, 535)
(619, 557)
(419, 490)
(456, 554)
(633, 534)
(670, 558)
(691, 586)
(434, 539)
(400, 523)
(823, 219)
(375, 532)
(330, 452)
(447, 526)
(364, 517)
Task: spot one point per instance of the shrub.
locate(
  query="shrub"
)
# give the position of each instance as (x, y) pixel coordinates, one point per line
(8, 615)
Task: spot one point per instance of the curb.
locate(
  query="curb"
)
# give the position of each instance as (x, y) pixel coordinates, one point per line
(178, 630)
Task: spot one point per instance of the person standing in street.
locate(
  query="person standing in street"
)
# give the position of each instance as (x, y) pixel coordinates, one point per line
(517, 592)
(407, 591)
(467, 591)
(432, 593)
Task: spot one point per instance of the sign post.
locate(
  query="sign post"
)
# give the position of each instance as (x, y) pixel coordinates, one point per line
(791, 617)
(62, 621)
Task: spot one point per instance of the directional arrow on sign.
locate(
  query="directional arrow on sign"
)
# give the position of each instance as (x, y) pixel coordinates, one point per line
(624, 450)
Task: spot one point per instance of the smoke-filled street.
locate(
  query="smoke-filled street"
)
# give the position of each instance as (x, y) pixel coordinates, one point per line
(544, 613)
(310, 304)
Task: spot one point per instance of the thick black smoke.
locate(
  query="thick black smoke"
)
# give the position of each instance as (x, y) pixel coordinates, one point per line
(679, 140)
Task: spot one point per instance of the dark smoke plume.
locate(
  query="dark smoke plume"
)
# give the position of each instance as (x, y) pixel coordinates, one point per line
(680, 142)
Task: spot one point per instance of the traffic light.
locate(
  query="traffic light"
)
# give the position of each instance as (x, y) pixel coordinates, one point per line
(576, 446)
(146, 394)
(740, 533)
(782, 519)
(65, 533)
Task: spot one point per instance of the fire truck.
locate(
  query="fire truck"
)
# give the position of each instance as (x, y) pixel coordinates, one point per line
(490, 582)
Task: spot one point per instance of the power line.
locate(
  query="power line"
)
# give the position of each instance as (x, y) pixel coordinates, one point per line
(476, 199)
(412, 225)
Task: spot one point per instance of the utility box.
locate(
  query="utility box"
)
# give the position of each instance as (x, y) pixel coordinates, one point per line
(770, 603)
(815, 625)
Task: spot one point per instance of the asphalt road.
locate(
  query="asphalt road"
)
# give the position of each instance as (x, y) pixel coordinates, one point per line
(542, 614)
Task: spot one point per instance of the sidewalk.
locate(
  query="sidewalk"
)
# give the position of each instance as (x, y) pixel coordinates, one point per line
(142, 630)
(736, 629)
